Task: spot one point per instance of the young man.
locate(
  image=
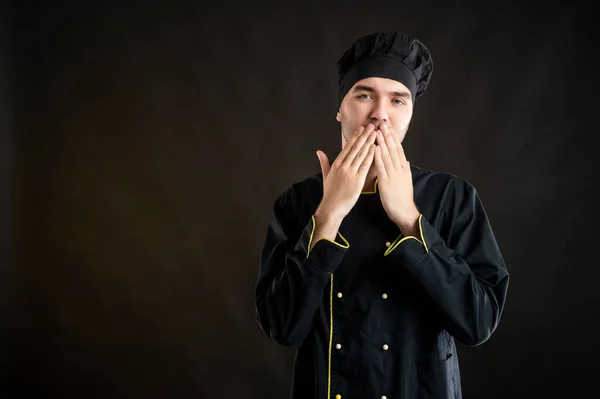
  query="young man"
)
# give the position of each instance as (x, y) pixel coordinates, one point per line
(373, 268)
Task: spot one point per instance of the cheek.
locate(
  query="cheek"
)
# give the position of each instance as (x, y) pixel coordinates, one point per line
(349, 123)
(356, 111)
(402, 122)
(403, 126)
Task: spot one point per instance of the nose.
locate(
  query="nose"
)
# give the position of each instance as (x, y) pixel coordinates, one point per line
(379, 112)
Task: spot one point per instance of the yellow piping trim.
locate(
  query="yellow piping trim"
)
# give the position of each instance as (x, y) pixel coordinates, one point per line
(312, 218)
(421, 231)
(398, 241)
(345, 245)
(393, 245)
(330, 301)
(330, 337)
(374, 188)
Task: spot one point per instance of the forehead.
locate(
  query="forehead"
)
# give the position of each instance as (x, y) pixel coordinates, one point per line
(381, 85)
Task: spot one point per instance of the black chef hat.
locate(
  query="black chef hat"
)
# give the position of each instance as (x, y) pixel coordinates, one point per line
(390, 55)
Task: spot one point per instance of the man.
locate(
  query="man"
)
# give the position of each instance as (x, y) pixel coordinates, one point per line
(373, 268)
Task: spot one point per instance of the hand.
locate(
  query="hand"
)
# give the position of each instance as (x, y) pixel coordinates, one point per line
(395, 184)
(344, 180)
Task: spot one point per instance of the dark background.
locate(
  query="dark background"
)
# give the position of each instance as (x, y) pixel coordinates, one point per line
(143, 144)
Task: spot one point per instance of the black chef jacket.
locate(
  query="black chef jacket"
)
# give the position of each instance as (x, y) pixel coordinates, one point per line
(373, 314)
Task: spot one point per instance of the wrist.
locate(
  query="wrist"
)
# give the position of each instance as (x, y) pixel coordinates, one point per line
(326, 216)
(327, 225)
(409, 225)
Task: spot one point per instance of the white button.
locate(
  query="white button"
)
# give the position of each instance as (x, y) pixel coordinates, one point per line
(339, 295)
(387, 244)
(338, 346)
(385, 347)
(384, 295)
(384, 397)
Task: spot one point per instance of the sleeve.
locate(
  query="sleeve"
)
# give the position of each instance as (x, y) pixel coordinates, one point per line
(466, 278)
(292, 279)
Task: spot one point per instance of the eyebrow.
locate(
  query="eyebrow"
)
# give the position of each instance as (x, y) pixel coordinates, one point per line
(369, 89)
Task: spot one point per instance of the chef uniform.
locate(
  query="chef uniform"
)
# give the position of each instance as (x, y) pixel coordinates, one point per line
(373, 314)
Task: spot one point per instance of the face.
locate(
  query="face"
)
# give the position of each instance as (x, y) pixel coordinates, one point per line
(375, 100)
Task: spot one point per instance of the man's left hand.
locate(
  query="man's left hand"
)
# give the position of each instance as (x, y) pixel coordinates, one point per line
(395, 184)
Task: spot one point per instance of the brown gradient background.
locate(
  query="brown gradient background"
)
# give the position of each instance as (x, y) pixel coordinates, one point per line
(143, 144)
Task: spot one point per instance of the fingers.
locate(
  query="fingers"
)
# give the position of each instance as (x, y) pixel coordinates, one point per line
(398, 156)
(379, 164)
(324, 162)
(384, 152)
(365, 165)
(391, 143)
(358, 144)
(402, 156)
(363, 152)
(348, 147)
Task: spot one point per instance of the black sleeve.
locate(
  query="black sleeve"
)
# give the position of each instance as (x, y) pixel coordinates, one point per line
(291, 279)
(465, 277)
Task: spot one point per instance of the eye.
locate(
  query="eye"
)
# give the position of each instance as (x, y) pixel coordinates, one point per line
(398, 101)
(363, 96)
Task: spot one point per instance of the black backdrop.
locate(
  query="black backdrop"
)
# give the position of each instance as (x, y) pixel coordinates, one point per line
(144, 143)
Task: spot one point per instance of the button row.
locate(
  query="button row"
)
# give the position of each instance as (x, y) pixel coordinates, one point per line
(384, 295)
(338, 396)
(384, 346)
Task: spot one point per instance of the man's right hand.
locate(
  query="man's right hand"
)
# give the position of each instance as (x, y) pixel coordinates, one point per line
(343, 181)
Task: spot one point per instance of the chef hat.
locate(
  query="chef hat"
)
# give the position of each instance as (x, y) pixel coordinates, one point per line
(389, 55)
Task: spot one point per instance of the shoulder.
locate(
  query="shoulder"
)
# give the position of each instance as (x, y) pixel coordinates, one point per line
(309, 187)
(302, 193)
(435, 181)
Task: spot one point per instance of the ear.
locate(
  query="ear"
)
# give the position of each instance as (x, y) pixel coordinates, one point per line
(338, 116)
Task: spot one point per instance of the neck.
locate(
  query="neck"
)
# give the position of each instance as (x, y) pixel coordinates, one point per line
(370, 180)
